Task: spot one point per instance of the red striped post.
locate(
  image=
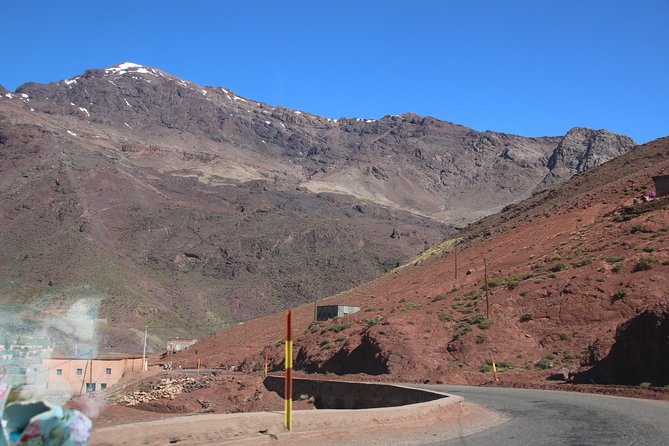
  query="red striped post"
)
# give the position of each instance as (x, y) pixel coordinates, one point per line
(288, 385)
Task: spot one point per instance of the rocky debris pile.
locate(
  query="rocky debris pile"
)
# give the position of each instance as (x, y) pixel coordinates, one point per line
(166, 388)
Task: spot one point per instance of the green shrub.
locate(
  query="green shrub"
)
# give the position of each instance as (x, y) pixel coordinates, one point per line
(481, 338)
(444, 317)
(410, 306)
(526, 317)
(648, 249)
(617, 268)
(615, 259)
(373, 322)
(618, 295)
(339, 327)
(475, 319)
(645, 385)
(485, 368)
(644, 264)
(558, 267)
(326, 345)
(313, 327)
(485, 324)
(635, 229)
(563, 336)
(524, 293)
(544, 364)
(460, 331)
(438, 297)
(473, 295)
(583, 262)
(504, 365)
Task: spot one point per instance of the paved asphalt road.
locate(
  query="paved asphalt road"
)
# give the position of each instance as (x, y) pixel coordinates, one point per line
(565, 418)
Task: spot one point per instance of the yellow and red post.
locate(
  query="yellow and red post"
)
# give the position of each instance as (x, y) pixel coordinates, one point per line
(288, 385)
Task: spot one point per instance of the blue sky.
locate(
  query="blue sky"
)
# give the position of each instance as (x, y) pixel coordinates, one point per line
(527, 67)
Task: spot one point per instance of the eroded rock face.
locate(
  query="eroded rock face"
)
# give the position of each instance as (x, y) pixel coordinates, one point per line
(367, 357)
(583, 149)
(639, 354)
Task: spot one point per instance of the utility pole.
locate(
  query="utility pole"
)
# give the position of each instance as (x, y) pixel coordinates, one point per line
(90, 375)
(456, 260)
(485, 278)
(145, 366)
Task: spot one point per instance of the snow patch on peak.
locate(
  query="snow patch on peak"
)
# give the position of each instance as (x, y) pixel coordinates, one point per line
(127, 65)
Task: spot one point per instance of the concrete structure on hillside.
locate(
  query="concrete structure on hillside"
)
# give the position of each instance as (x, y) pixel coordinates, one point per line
(325, 312)
(177, 344)
(661, 185)
(73, 376)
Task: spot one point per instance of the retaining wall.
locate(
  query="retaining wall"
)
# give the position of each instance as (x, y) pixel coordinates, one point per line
(353, 395)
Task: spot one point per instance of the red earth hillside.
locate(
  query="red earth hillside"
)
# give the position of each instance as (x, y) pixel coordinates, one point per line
(565, 269)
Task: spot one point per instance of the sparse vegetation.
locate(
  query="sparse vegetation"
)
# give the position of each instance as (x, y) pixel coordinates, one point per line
(538, 265)
(473, 295)
(508, 282)
(544, 364)
(504, 365)
(526, 317)
(583, 262)
(326, 344)
(438, 297)
(645, 264)
(461, 330)
(444, 317)
(618, 295)
(648, 249)
(615, 259)
(558, 267)
(635, 229)
(563, 336)
(410, 306)
(485, 324)
(339, 327)
(373, 322)
(481, 338)
(645, 385)
(617, 268)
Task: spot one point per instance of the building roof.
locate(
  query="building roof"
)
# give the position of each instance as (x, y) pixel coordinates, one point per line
(95, 358)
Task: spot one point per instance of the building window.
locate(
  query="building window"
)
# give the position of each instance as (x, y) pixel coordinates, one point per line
(80, 372)
(108, 371)
(103, 386)
(59, 372)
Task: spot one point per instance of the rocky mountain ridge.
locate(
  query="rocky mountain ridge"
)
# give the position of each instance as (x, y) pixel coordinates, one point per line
(157, 201)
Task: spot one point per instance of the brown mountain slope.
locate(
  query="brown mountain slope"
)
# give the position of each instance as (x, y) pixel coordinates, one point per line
(153, 200)
(565, 269)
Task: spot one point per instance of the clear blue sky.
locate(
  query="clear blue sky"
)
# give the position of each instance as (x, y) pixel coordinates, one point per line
(526, 67)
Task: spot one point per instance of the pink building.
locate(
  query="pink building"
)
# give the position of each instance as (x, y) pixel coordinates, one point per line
(75, 376)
